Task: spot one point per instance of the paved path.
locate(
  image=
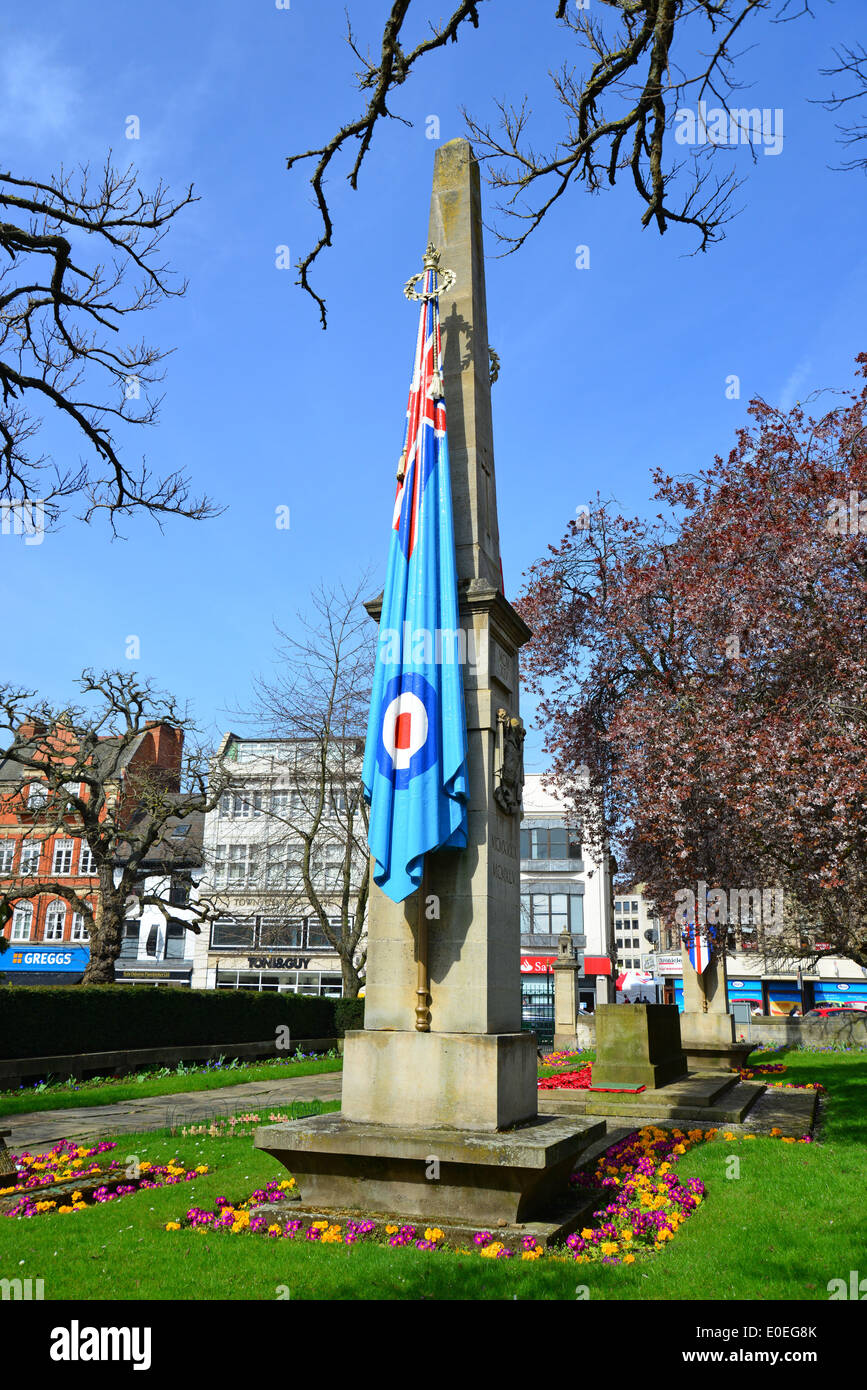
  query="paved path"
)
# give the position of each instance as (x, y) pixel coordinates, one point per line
(40, 1129)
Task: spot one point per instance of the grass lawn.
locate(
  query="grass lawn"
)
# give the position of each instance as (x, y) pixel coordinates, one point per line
(27, 1101)
(794, 1219)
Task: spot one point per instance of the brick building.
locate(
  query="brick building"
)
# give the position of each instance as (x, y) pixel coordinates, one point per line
(41, 841)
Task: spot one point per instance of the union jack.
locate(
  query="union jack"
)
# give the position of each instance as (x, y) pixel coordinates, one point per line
(426, 408)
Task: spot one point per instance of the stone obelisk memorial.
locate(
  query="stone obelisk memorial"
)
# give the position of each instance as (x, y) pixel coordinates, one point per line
(443, 1122)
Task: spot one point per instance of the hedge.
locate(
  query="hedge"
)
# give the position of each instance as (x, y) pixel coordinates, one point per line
(48, 1021)
(348, 1015)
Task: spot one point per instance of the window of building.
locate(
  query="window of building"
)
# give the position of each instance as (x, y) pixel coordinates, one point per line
(62, 861)
(279, 801)
(229, 931)
(282, 931)
(276, 875)
(634, 906)
(37, 796)
(316, 937)
(7, 855)
(235, 864)
(545, 913)
(87, 863)
(175, 941)
(31, 851)
(180, 832)
(55, 921)
(555, 842)
(129, 943)
(79, 931)
(241, 805)
(22, 922)
(179, 891)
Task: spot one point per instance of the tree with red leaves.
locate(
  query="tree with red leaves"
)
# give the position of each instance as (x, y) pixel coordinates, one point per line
(708, 670)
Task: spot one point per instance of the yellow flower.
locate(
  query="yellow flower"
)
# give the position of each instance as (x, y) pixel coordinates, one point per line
(629, 1259)
(202, 1168)
(627, 1235)
(491, 1251)
(65, 1210)
(272, 1230)
(776, 1130)
(608, 1247)
(173, 1225)
(286, 1183)
(323, 1226)
(433, 1233)
(586, 1234)
(728, 1135)
(389, 1230)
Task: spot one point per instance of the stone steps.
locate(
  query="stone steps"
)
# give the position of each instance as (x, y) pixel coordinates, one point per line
(705, 1099)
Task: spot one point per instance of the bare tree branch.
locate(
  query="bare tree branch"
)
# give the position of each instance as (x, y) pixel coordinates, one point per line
(61, 316)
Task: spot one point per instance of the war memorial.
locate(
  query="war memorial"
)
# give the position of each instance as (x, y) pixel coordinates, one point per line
(440, 1118)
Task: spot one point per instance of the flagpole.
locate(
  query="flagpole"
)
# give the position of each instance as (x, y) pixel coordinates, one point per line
(422, 1011)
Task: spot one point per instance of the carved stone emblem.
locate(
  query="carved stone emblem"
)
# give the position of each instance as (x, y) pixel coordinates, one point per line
(508, 792)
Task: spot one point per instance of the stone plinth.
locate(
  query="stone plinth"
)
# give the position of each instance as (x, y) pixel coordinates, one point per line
(566, 972)
(709, 1041)
(466, 1081)
(638, 1045)
(430, 1173)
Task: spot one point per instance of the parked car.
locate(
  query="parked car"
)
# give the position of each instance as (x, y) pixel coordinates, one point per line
(827, 1010)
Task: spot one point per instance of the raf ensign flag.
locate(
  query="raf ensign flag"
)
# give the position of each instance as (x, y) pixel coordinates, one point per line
(415, 762)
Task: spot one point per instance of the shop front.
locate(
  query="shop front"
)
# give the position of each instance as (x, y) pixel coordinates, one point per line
(43, 964)
(277, 970)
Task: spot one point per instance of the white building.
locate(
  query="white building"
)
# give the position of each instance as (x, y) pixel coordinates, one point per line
(157, 949)
(562, 887)
(267, 934)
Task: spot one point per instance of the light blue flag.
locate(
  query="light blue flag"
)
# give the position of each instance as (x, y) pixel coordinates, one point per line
(415, 762)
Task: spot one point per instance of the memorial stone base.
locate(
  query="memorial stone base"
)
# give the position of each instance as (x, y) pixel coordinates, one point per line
(472, 1081)
(709, 1041)
(638, 1045)
(432, 1174)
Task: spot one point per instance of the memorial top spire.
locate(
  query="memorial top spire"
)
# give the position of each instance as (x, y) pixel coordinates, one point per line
(456, 231)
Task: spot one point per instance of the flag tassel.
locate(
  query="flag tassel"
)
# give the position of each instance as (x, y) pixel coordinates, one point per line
(422, 1009)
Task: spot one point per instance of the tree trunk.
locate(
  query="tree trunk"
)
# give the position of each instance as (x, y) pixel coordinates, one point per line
(351, 982)
(105, 938)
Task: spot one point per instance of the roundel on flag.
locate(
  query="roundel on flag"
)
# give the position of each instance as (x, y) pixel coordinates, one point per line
(408, 728)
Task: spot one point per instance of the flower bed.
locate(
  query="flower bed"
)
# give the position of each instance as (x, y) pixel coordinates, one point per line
(75, 1172)
(750, 1074)
(647, 1206)
(567, 1081)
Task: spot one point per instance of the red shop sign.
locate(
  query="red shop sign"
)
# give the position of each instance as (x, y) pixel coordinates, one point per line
(536, 965)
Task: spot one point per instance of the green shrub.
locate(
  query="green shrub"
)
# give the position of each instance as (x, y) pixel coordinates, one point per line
(348, 1015)
(56, 1020)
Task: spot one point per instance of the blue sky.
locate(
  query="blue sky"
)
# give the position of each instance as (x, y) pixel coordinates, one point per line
(606, 372)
